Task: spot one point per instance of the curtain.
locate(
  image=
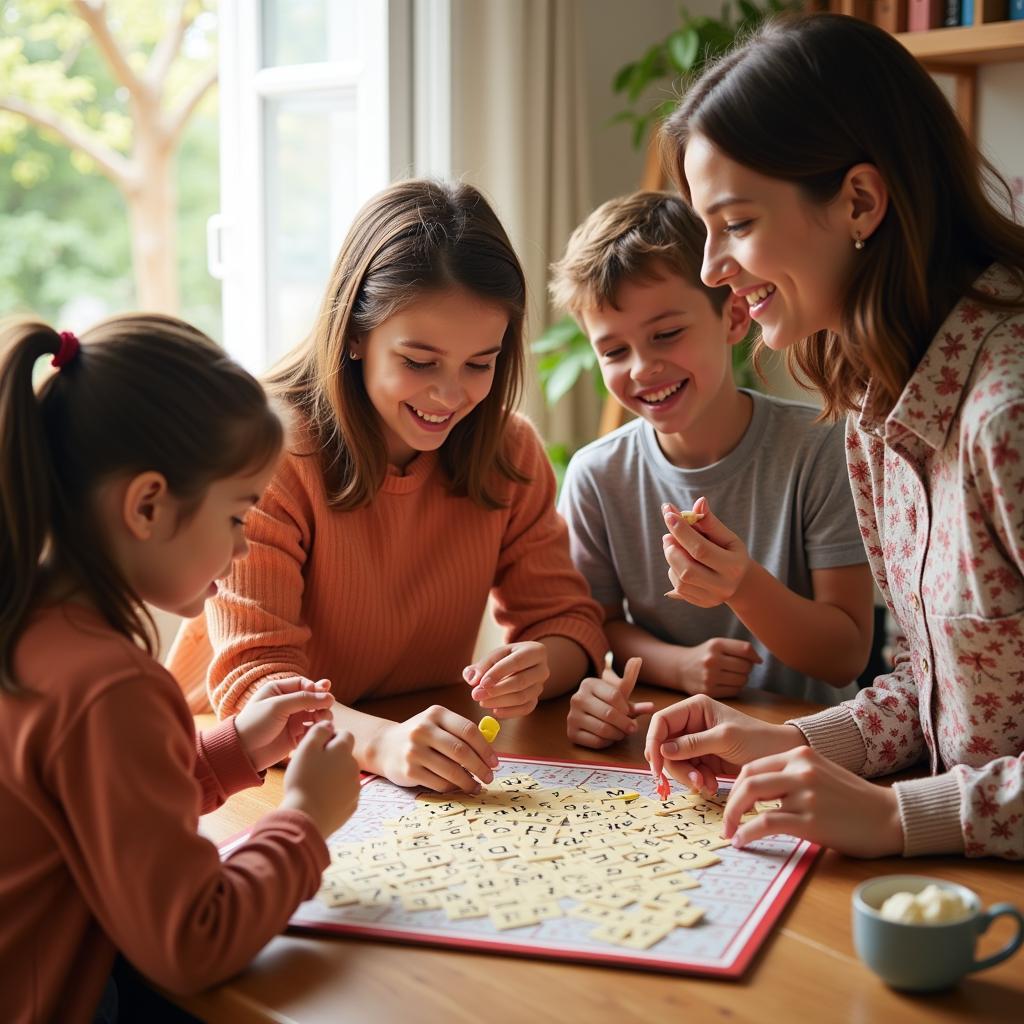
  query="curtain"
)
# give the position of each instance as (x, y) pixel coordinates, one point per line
(519, 133)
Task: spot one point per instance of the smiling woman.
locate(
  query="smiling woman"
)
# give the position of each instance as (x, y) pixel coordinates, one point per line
(859, 222)
(412, 491)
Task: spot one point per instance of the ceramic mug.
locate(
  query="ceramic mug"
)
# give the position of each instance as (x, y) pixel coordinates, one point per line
(924, 957)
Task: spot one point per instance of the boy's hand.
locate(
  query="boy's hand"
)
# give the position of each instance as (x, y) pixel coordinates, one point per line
(707, 561)
(437, 749)
(510, 680)
(279, 714)
(323, 778)
(600, 711)
(699, 739)
(719, 667)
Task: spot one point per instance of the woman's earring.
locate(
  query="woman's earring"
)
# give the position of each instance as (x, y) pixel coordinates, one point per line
(353, 355)
(858, 242)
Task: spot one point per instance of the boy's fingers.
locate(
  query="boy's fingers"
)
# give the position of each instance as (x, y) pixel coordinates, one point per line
(711, 526)
(583, 738)
(615, 717)
(610, 694)
(604, 728)
(642, 707)
(630, 676)
(743, 649)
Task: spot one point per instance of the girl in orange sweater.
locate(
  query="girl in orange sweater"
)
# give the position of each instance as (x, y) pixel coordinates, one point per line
(127, 479)
(413, 493)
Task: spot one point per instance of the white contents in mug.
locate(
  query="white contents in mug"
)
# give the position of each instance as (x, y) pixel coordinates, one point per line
(934, 904)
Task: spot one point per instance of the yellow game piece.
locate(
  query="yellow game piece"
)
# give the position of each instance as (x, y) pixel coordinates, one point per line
(489, 728)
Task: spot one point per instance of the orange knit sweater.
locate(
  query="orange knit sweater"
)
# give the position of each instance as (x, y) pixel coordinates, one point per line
(102, 780)
(388, 598)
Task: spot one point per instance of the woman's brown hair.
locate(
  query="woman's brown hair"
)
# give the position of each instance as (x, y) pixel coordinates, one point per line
(142, 393)
(805, 99)
(413, 238)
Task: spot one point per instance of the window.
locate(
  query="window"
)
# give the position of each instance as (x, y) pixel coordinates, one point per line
(317, 114)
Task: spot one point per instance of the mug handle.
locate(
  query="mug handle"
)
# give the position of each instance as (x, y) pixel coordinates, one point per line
(998, 910)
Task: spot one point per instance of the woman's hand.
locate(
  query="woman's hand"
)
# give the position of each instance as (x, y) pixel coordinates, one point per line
(279, 714)
(437, 749)
(509, 681)
(699, 739)
(819, 801)
(706, 561)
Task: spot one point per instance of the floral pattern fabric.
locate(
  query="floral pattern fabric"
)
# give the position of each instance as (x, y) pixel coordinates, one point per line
(939, 491)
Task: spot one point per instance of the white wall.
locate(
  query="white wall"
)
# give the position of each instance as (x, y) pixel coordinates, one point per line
(614, 34)
(1001, 123)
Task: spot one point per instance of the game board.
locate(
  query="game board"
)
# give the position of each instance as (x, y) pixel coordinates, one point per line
(577, 876)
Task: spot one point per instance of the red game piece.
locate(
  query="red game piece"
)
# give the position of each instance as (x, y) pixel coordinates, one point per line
(663, 787)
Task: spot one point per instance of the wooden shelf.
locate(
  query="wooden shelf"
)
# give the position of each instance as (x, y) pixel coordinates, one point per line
(992, 43)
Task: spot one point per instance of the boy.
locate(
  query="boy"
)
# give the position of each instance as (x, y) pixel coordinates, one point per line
(786, 608)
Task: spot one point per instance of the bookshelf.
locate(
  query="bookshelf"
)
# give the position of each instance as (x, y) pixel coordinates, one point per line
(985, 43)
(959, 51)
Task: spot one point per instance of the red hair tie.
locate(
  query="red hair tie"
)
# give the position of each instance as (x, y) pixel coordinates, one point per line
(67, 351)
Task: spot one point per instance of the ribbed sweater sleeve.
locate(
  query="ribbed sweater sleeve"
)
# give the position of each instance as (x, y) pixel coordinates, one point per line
(255, 624)
(124, 775)
(222, 765)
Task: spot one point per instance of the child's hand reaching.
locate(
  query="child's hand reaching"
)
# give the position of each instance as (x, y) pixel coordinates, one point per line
(600, 711)
(436, 748)
(279, 714)
(509, 681)
(322, 779)
(706, 561)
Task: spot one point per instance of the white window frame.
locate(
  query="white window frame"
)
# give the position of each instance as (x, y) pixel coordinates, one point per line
(402, 93)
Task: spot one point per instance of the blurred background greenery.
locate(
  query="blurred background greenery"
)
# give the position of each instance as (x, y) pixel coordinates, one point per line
(67, 227)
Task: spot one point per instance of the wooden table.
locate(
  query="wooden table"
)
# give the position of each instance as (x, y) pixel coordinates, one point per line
(807, 969)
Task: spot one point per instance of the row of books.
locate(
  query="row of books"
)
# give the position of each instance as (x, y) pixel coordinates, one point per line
(919, 15)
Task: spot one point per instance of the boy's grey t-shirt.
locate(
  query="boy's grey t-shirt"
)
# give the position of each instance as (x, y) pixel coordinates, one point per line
(783, 489)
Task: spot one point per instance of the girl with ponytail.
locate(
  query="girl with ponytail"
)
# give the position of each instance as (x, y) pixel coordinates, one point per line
(125, 478)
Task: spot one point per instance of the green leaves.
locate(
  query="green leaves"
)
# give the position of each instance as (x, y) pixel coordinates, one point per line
(681, 57)
(683, 47)
(566, 356)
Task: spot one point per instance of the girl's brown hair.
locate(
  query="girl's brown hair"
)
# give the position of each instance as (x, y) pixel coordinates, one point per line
(805, 99)
(143, 393)
(413, 238)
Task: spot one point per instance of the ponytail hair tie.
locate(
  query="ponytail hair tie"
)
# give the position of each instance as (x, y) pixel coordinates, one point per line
(67, 351)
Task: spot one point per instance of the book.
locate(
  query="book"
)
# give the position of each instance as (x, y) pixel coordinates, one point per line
(890, 14)
(924, 14)
(1016, 10)
(951, 13)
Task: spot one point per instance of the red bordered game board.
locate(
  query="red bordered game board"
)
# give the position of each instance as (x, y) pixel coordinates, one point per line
(743, 895)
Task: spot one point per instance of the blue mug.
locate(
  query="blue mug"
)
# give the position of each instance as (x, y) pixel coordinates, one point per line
(924, 957)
